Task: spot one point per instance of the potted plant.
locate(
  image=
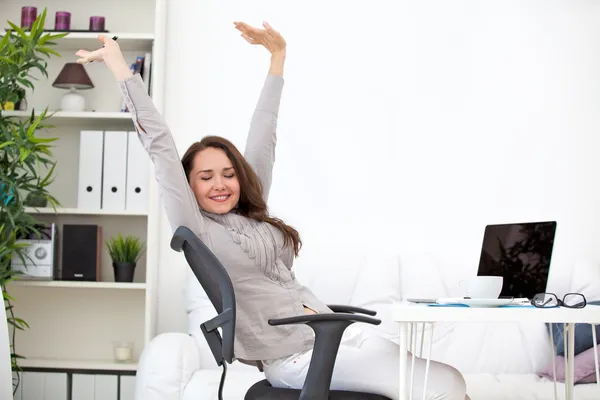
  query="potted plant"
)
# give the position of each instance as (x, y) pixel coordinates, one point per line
(125, 253)
(26, 163)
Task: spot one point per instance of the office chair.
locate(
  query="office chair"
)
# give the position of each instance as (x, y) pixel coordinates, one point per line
(328, 329)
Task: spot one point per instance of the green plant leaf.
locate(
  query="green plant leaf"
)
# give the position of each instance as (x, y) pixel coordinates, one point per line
(48, 177)
(42, 140)
(4, 40)
(48, 39)
(6, 144)
(47, 50)
(7, 60)
(24, 153)
(18, 29)
(33, 126)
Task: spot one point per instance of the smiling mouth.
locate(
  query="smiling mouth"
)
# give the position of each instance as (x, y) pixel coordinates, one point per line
(220, 198)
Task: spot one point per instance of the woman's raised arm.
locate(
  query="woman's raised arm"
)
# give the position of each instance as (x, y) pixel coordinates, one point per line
(179, 202)
(262, 136)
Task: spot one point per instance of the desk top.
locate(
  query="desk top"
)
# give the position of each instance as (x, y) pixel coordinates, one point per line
(410, 312)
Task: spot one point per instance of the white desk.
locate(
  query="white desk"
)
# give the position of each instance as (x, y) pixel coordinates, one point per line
(409, 314)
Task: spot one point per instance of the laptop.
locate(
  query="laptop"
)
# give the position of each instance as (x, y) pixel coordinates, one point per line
(521, 254)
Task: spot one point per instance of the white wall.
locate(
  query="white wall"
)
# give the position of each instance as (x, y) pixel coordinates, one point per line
(413, 123)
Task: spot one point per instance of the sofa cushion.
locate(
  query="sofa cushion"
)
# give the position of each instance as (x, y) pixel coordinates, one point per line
(521, 387)
(585, 279)
(583, 335)
(585, 367)
(377, 288)
(317, 267)
(166, 365)
(199, 310)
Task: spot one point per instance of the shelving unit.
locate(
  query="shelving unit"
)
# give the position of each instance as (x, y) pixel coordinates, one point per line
(73, 324)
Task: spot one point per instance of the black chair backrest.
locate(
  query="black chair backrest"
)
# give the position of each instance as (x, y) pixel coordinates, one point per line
(216, 283)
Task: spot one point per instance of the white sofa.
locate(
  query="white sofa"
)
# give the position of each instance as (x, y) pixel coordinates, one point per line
(499, 361)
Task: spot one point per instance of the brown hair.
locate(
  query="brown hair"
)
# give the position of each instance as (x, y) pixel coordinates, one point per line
(251, 204)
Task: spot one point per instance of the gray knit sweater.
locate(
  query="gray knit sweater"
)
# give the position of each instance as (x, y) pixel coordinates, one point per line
(259, 265)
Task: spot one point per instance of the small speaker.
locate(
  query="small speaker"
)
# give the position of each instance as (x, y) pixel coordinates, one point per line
(81, 253)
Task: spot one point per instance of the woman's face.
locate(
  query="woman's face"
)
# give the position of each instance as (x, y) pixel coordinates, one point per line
(214, 181)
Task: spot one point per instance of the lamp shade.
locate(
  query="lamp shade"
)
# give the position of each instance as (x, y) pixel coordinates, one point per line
(73, 76)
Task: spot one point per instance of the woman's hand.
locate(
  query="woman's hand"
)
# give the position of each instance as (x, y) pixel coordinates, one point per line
(269, 38)
(110, 54)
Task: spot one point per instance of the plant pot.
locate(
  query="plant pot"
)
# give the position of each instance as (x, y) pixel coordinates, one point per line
(35, 200)
(124, 271)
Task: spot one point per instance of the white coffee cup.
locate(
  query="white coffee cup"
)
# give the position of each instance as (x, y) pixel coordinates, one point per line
(482, 287)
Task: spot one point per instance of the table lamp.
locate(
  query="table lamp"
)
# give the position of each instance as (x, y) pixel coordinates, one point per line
(73, 76)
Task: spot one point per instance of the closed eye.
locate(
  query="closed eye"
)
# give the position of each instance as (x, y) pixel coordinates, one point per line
(205, 178)
(230, 170)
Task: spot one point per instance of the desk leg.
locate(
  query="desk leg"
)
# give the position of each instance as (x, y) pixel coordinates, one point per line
(553, 361)
(403, 395)
(596, 356)
(570, 361)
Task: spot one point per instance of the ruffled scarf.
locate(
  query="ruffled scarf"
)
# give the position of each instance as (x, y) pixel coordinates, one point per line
(255, 238)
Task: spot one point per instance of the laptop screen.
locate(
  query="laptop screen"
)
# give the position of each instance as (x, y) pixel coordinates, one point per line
(521, 254)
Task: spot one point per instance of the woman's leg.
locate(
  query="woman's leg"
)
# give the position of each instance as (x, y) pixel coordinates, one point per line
(369, 363)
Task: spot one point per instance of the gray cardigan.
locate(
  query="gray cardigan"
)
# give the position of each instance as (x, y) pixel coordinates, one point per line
(252, 252)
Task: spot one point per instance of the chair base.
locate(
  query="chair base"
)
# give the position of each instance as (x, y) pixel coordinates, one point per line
(264, 391)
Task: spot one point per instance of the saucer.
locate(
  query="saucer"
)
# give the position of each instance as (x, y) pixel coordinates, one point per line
(477, 302)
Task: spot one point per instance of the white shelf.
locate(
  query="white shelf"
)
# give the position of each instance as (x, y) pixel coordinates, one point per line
(89, 41)
(102, 365)
(72, 115)
(80, 284)
(79, 211)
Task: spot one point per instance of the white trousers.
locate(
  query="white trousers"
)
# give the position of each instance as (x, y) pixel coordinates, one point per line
(367, 362)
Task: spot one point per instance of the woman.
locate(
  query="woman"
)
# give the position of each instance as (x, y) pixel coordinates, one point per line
(221, 196)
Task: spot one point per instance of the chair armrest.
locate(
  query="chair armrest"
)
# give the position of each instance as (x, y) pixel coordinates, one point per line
(328, 329)
(316, 320)
(350, 309)
(166, 366)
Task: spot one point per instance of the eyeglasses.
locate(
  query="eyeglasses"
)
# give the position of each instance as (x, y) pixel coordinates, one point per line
(550, 300)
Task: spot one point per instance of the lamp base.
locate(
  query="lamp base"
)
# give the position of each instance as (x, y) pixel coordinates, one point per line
(72, 101)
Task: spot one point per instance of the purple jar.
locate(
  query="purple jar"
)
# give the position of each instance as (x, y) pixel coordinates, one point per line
(62, 21)
(97, 24)
(28, 16)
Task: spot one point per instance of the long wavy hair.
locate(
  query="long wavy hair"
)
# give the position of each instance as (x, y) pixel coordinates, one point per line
(251, 204)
